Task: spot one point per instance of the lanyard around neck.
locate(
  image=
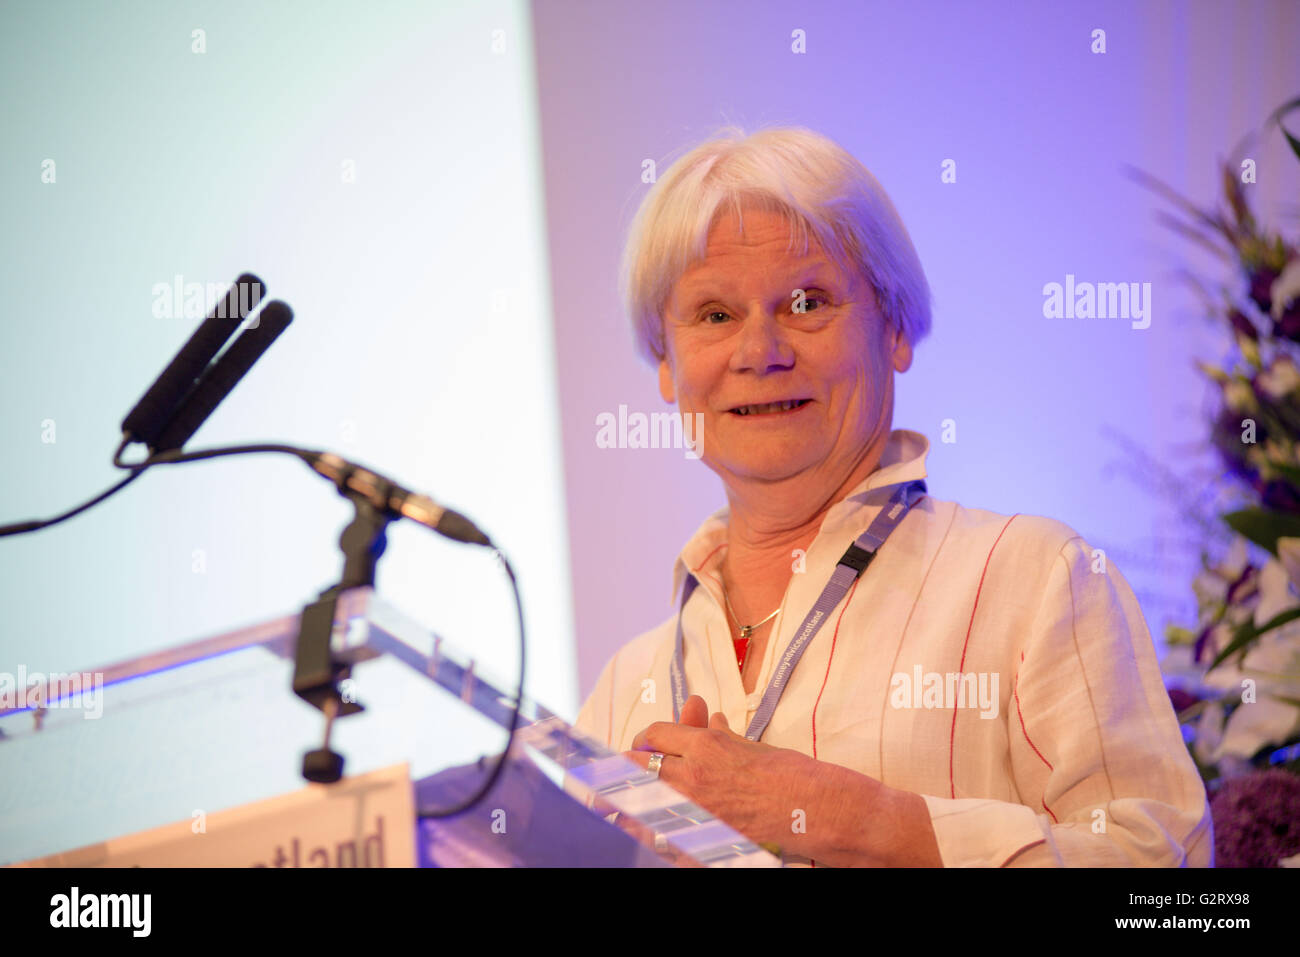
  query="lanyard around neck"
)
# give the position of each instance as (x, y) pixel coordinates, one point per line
(847, 571)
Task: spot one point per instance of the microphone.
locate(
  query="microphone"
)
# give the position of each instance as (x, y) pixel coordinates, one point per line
(222, 376)
(151, 414)
(388, 496)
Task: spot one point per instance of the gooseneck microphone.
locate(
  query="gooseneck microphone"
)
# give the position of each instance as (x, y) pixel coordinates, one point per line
(389, 497)
(222, 376)
(192, 386)
(178, 403)
(159, 404)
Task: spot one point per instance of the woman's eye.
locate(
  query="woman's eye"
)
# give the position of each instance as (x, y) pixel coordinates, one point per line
(815, 302)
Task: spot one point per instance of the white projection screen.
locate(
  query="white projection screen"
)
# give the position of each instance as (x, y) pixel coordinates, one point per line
(385, 181)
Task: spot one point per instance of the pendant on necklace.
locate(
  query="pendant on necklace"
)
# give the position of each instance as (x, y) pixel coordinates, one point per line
(741, 645)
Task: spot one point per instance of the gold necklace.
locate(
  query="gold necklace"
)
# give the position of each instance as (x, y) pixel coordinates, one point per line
(747, 630)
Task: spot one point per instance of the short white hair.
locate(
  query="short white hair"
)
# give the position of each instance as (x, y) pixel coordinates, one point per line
(807, 177)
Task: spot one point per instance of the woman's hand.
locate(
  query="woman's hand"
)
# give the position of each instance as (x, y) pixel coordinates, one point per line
(754, 787)
(782, 797)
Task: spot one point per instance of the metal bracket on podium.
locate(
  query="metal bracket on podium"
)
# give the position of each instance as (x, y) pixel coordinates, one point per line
(321, 659)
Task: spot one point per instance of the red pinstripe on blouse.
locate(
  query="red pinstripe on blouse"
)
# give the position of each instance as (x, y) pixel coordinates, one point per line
(707, 557)
(961, 668)
(1025, 732)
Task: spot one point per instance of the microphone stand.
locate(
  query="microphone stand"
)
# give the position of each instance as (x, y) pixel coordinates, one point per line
(177, 405)
(317, 668)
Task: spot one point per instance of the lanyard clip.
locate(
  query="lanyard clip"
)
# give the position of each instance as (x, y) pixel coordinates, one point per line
(857, 558)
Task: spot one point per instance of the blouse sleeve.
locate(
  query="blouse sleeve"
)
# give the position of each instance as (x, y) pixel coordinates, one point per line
(1095, 748)
(595, 715)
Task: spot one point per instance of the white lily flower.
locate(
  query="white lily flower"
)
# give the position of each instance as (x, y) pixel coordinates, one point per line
(1274, 597)
(1288, 553)
(1285, 288)
(1237, 559)
(1269, 671)
(1220, 637)
(1209, 733)
(1181, 671)
(1240, 397)
(1277, 652)
(1211, 586)
(1280, 379)
(1273, 662)
(1252, 726)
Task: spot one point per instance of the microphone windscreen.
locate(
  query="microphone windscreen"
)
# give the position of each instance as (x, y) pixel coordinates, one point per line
(223, 376)
(160, 402)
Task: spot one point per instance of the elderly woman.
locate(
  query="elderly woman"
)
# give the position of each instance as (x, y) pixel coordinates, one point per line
(858, 672)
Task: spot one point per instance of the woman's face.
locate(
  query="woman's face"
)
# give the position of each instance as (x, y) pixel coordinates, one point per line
(737, 341)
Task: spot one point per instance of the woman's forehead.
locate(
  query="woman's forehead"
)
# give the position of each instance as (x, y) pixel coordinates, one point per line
(758, 226)
(716, 276)
(729, 270)
(774, 237)
(786, 252)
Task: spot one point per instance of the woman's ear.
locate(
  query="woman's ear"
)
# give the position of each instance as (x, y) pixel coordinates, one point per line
(902, 351)
(666, 381)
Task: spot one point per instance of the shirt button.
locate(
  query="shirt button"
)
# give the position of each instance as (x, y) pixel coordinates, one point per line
(752, 701)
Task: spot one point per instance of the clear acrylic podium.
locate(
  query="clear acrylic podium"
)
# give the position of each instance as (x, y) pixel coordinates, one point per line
(214, 724)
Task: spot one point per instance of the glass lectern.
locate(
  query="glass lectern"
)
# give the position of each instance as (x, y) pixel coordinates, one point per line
(214, 724)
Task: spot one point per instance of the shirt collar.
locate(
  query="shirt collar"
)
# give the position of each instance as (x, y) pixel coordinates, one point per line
(902, 460)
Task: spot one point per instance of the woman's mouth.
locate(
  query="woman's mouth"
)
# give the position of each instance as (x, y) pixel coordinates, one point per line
(771, 408)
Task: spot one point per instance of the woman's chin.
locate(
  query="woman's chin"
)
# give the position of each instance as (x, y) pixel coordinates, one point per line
(759, 468)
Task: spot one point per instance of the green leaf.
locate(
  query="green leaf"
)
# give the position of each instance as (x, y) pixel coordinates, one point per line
(1264, 527)
(1248, 633)
(1213, 372)
(1277, 118)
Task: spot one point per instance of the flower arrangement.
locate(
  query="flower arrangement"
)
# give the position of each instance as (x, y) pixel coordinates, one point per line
(1234, 678)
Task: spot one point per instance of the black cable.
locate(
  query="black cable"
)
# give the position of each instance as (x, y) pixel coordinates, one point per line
(168, 458)
(468, 803)
(18, 528)
(176, 456)
(137, 469)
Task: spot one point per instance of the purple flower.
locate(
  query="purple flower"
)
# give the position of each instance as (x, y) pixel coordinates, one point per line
(1182, 699)
(1225, 434)
(1245, 585)
(1243, 325)
(1256, 819)
(1261, 286)
(1288, 327)
(1198, 649)
(1281, 497)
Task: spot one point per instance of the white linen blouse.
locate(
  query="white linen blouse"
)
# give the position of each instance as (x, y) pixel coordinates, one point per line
(997, 665)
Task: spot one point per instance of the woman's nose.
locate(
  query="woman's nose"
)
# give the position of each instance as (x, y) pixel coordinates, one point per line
(761, 345)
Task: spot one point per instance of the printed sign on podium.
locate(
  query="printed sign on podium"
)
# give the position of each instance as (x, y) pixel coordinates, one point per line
(364, 821)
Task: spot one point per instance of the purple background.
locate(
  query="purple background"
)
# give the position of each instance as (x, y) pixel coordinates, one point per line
(1040, 128)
